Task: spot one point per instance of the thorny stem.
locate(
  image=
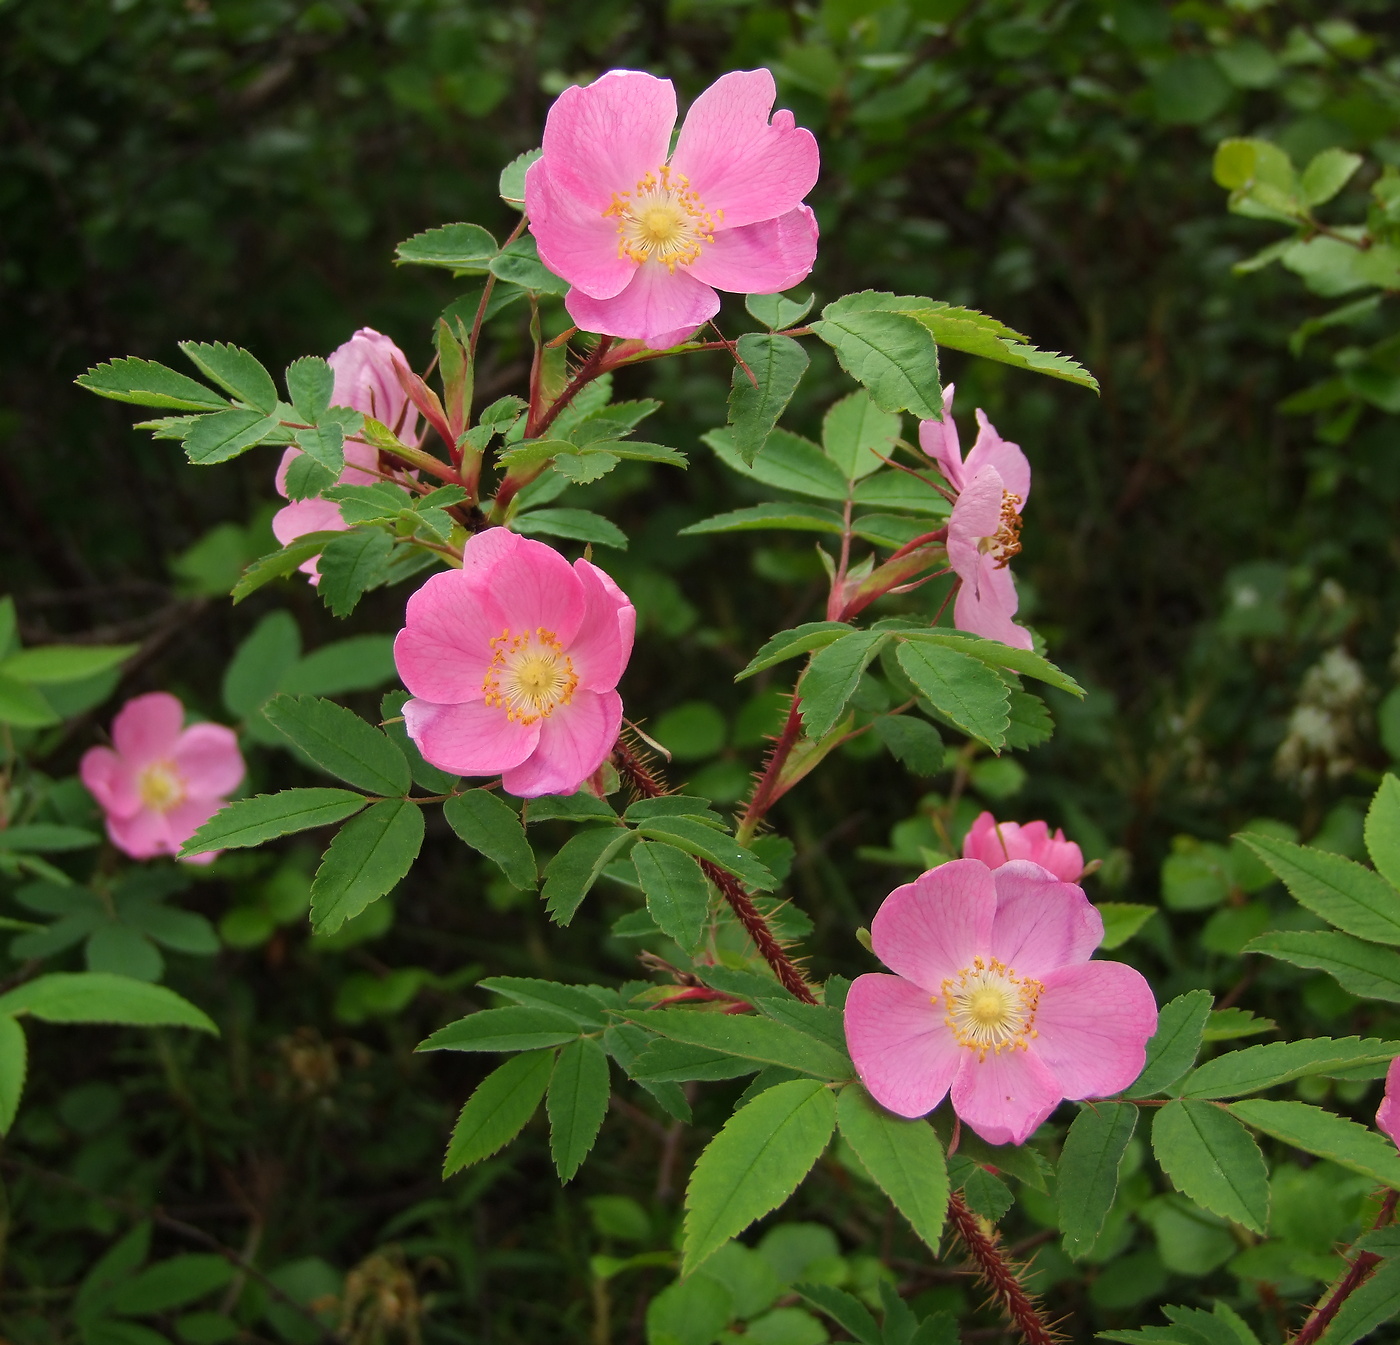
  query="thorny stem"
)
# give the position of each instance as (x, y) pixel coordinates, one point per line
(587, 372)
(1001, 1276)
(1357, 1275)
(765, 793)
(486, 291)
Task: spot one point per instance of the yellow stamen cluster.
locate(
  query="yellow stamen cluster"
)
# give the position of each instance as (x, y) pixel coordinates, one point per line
(161, 786)
(530, 675)
(1006, 541)
(990, 1008)
(662, 220)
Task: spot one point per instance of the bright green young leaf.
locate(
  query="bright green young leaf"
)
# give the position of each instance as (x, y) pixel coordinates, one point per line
(961, 688)
(751, 1038)
(788, 644)
(14, 1058)
(512, 1028)
(570, 875)
(579, 525)
(1327, 173)
(904, 1158)
(1254, 1068)
(464, 248)
(789, 517)
(702, 840)
(1212, 1159)
(488, 824)
(577, 1103)
(678, 895)
(777, 311)
(1382, 827)
(1340, 890)
(99, 997)
(351, 563)
(368, 856)
(1177, 1043)
(1088, 1173)
(226, 434)
(499, 1109)
(977, 334)
(512, 180)
(766, 374)
(249, 822)
(279, 564)
(260, 662)
(1121, 920)
(1362, 968)
(889, 351)
(340, 742)
(755, 1163)
(234, 370)
(1325, 1134)
(857, 434)
(59, 663)
(146, 383)
(788, 462)
(832, 676)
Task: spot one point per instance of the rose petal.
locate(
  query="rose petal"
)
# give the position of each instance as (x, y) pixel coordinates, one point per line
(1388, 1116)
(110, 781)
(208, 759)
(902, 1049)
(444, 650)
(939, 439)
(1092, 1025)
(1004, 1097)
(534, 588)
(470, 739)
(573, 743)
(575, 239)
(655, 306)
(991, 450)
(1041, 924)
(146, 728)
(600, 650)
(932, 928)
(986, 602)
(762, 258)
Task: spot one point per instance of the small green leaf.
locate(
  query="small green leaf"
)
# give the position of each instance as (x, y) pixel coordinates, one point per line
(488, 824)
(279, 564)
(512, 181)
(520, 264)
(1212, 1159)
(340, 742)
(677, 893)
(977, 334)
(893, 354)
(961, 688)
(760, 392)
(172, 1283)
(499, 1109)
(146, 383)
(914, 742)
(310, 387)
(1382, 827)
(751, 1038)
(360, 663)
(512, 1028)
(1375, 1301)
(1325, 1134)
(857, 435)
(24, 706)
(998, 655)
(570, 875)
(755, 1163)
(579, 525)
(225, 435)
(351, 563)
(699, 839)
(844, 1309)
(368, 856)
(776, 311)
(324, 445)
(1176, 1044)
(260, 662)
(763, 517)
(666, 1061)
(1327, 173)
(787, 462)
(580, 1004)
(1121, 920)
(250, 822)
(45, 838)
(1254, 1068)
(464, 248)
(577, 1103)
(788, 644)
(58, 663)
(236, 371)
(1088, 1171)
(1362, 968)
(99, 997)
(14, 1061)
(832, 677)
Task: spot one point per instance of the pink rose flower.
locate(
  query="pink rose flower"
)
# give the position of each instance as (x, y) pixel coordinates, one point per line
(513, 661)
(163, 781)
(1388, 1117)
(645, 242)
(995, 843)
(365, 382)
(995, 999)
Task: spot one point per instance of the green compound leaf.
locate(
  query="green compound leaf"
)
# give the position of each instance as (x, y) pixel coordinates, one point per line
(677, 893)
(570, 875)
(776, 364)
(1088, 1171)
(340, 742)
(891, 352)
(1176, 1044)
(832, 677)
(577, 1103)
(755, 1163)
(146, 383)
(788, 644)
(1340, 890)
(1362, 968)
(101, 997)
(751, 1038)
(1323, 1133)
(250, 822)
(236, 371)
(574, 1002)
(1382, 827)
(1255, 1068)
(368, 856)
(904, 1157)
(488, 824)
(225, 435)
(516, 1027)
(464, 248)
(998, 655)
(705, 842)
(961, 688)
(499, 1109)
(1212, 1159)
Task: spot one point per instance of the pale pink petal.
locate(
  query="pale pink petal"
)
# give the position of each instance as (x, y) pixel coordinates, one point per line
(361, 463)
(976, 514)
(209, 761)
(939, 439)
(1388, 1117)
(303, 516)
(289, 457)
(574, 238)
(762, 258)
(1063, 858)
(1092, 1026)
(932, 928)
(365, 381)
(143, 835)
(470, 739)
(995, 843)
(604, 137)
(444, 649)
(535, 588)
(655, 305)
(1004, 1097)
(904, 1052)
(735, 160)
(184, 819)
(986, 602)
(485, 550)
(573, 743)
(1041, 924)
(147, 727)
(110, 781)
(988, 840)
(600, 650)
(991, 450)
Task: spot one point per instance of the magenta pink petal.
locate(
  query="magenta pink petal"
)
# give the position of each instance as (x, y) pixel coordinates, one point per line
(573, 743)
(444, 649)
(303, 516)
(604, 137)
(143, 835)
(208, 759)
(1041, 923)
(145, 728)
(1005, 1096)
(1093, 1022)
(739, 162)
(655, 305)
(535, 588)
(600, 650)
(470, 739)
(1388, 1117)
(986, 603)
(575, 239)
(932, 928)
(939, 439)
(109, 781)
(761, 258)
(991, 450)
(485, 550)
(904, 1052)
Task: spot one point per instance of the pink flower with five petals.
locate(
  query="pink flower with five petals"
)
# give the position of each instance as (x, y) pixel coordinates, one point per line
(994, 1000)
(365, 382)
(997, 843)
(513, 663)
(645, 241)
(161, 782)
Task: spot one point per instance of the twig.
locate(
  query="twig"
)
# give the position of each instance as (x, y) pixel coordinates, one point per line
(1357, 1275)
(1001, 1276)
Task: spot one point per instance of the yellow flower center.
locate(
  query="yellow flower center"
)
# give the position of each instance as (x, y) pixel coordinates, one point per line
(990, 1008)
(161, 786)
(1006, 541)
(530, 675)
(662, 220)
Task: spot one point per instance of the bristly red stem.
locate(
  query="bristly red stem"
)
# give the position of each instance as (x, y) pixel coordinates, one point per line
(765, 792)
(1356, 1276)
(1001, 1276)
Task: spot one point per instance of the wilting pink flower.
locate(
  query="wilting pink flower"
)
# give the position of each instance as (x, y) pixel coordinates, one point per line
(644, 242)
(984, 529)
(163, 781)
(995, 843)
(995, 999)
(1388, 1117)
(365, 382)
(513, 661)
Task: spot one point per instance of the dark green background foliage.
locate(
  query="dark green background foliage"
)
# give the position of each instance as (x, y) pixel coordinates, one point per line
(241, 170)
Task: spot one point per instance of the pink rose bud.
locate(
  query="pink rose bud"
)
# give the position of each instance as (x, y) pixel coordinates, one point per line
(994, 1000)
(994, 843)
(513, 661)
(163, 781)
(645, 241)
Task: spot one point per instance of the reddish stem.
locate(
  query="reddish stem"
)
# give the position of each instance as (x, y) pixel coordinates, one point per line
(1355, 1277)
(765, 795)
(1001, 1276)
